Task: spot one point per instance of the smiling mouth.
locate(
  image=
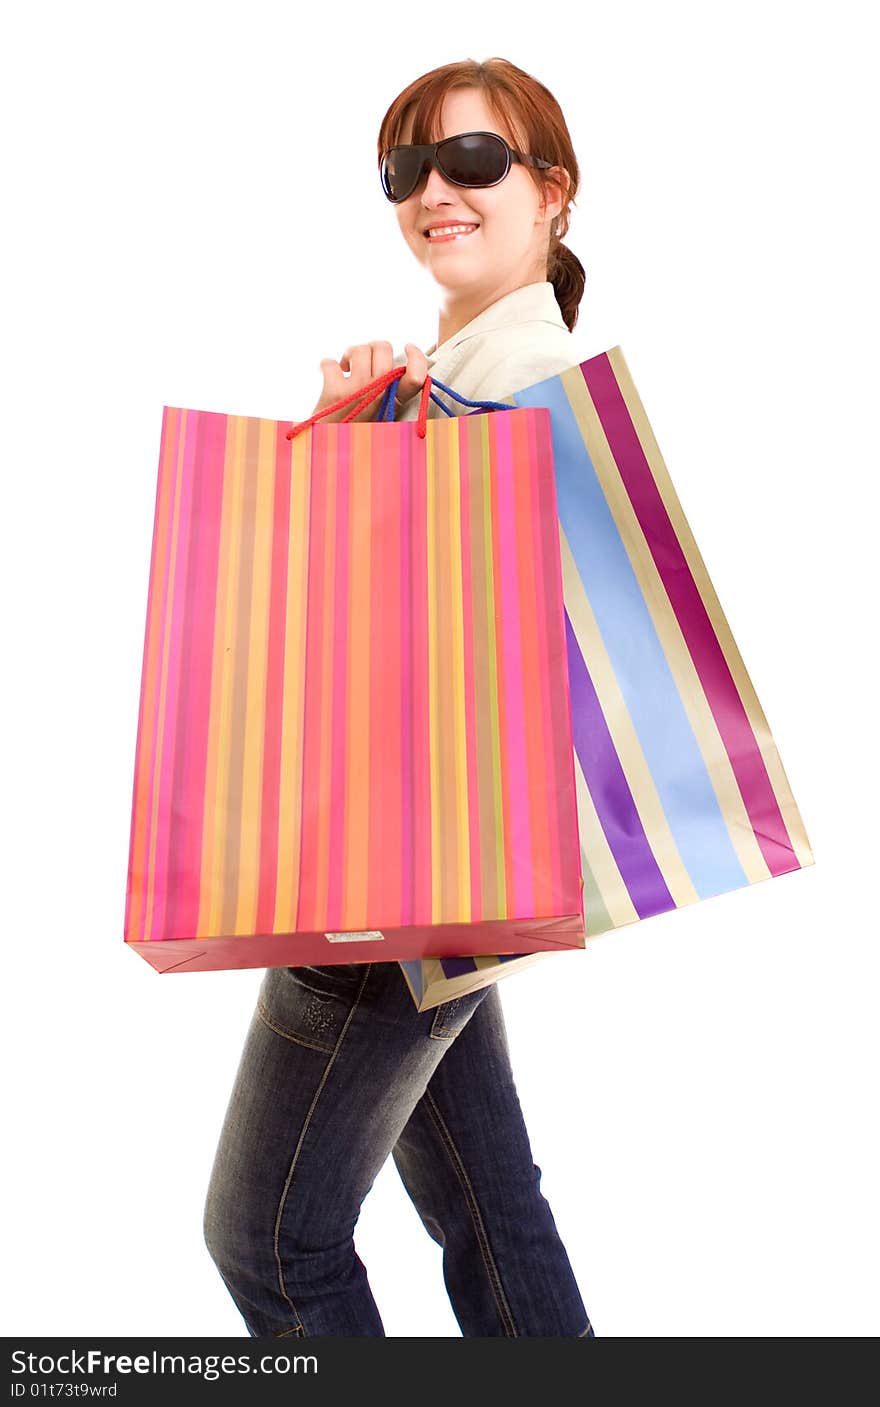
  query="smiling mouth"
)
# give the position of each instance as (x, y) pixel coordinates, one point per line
(445, 233)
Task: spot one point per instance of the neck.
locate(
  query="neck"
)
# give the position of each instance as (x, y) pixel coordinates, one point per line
(459, 308)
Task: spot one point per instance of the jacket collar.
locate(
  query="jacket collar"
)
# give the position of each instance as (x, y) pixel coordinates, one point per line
(534, 302)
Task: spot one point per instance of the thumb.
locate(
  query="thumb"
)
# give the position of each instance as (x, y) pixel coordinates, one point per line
(413, 379)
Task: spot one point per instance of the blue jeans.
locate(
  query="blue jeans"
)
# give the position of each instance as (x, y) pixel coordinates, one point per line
(339, 1069)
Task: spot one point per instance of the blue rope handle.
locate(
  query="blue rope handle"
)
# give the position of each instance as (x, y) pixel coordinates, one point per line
(388, 403)
(462, 400)
(388, 400)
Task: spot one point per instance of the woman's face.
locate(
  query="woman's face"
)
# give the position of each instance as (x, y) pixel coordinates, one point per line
(508, 247)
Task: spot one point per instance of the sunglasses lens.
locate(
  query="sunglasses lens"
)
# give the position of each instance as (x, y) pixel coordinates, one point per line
(473, 159)
(400, 172)
(476, 159)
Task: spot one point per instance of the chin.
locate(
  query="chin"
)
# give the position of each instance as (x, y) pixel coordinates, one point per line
(461, 277)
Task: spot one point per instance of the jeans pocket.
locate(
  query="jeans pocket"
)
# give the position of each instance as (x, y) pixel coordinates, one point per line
(331, 978)
(310, 1005)
(451, 1017)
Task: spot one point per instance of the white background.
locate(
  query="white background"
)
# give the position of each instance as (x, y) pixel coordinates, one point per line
(193, 218)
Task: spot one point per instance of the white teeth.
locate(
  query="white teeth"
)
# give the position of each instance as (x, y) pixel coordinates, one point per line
(450, 229)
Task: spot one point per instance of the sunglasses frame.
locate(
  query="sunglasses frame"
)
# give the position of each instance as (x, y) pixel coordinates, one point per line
(429, 154)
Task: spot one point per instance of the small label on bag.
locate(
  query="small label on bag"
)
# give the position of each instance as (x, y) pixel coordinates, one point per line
(360, 937)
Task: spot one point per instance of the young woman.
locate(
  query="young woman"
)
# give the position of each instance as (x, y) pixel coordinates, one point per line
(339, 1070)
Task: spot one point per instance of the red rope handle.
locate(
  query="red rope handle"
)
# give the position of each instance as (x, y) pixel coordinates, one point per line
(422, 418)
(364, 396)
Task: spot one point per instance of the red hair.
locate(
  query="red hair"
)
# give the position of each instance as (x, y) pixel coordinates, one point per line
(535, 125)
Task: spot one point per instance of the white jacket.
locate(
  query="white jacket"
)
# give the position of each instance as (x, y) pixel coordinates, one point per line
(518, 340)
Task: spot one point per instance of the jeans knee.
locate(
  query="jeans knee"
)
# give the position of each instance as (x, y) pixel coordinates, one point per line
(311, 1267)
(300, 1257)
(224, 1232)
(212, 1231)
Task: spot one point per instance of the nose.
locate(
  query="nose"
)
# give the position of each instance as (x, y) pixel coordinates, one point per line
(436, 190)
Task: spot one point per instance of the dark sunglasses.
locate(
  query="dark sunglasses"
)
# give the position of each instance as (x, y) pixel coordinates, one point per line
(474, 159)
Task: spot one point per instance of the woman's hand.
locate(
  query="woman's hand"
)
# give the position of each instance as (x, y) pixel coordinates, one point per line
(365, 363)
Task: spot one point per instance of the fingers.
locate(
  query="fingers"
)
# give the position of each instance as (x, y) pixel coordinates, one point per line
(358, 366)
(413, 379)
(359, 362)
(383, 358)
(334, 382)
(363, 363)
(367, 361)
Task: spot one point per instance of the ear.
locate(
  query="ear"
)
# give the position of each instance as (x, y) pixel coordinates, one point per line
(557, 183)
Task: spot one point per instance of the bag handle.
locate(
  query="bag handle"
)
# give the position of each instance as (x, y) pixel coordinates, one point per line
(462, 400)
(387, 383)
(363, 397)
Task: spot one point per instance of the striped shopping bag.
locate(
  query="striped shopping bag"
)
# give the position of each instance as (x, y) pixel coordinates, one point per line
(681, 792)
(354, 737)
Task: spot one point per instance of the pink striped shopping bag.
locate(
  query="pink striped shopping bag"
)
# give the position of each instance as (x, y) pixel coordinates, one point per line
(354, 736)
(681, 791)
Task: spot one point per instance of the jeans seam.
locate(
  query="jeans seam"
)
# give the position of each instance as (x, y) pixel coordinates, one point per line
(298, 1328)
(476, 1217)
(287, 1034)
